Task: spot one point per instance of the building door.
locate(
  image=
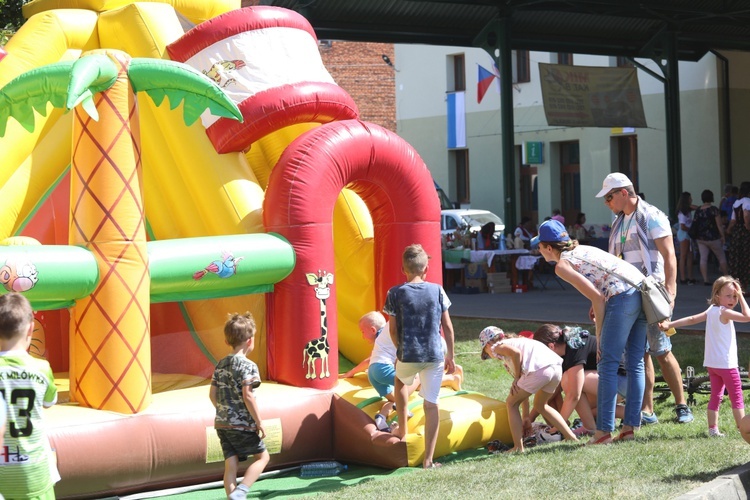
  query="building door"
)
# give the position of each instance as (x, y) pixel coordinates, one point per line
(570, 181)
(627, 158)
(458, 162)
(527, 189)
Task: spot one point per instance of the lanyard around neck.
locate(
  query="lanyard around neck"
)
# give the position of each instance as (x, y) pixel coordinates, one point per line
(624, 231)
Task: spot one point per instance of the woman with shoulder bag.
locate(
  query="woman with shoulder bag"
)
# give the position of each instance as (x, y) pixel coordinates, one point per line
(709, 234)
(612, 286)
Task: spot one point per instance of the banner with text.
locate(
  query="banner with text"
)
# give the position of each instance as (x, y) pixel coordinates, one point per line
(586, 96)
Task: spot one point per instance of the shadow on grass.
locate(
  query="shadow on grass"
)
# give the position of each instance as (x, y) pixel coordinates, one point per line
(705, 477)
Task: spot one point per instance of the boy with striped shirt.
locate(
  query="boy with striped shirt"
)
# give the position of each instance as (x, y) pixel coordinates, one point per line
(27, 385)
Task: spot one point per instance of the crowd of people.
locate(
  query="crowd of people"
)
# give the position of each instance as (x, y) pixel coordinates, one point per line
(722, 231)
(596, 372)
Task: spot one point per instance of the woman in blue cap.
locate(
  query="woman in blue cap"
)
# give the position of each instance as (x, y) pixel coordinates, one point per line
(618, 314)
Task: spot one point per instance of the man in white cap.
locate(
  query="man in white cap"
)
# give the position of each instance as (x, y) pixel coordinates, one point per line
(642, 235)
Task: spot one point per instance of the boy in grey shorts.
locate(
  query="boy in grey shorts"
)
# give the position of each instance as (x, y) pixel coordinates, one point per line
(238, 421)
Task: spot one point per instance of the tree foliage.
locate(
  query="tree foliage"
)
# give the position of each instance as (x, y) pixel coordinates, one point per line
(11, 18)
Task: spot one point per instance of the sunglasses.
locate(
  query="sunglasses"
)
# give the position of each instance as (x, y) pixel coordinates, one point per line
(611, 195)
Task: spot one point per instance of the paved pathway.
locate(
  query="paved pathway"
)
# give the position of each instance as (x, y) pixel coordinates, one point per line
(567, 306)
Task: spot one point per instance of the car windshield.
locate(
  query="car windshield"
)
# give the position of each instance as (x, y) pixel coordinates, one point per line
(480, 219)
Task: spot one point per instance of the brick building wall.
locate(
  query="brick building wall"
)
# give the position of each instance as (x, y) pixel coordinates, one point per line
(360, 69)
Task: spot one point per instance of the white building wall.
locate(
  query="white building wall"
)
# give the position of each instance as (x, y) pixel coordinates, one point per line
(422, 81)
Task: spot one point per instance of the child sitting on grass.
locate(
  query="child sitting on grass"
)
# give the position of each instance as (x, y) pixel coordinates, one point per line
(536, 370)
(720, 356)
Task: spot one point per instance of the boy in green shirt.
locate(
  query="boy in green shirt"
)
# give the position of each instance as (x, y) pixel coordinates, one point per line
(27, 385)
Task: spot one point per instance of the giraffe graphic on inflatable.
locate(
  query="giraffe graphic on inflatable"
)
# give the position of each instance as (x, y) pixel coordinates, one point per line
(318, 348)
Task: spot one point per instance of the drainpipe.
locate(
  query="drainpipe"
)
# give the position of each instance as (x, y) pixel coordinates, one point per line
(727, 122)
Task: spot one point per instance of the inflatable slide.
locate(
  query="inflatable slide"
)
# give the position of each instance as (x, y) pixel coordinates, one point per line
(167, 163)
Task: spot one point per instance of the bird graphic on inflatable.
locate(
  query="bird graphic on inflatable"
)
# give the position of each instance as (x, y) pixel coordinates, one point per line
(224, 268)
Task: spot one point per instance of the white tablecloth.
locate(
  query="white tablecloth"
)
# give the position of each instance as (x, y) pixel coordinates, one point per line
(487, 256)
(526, 262)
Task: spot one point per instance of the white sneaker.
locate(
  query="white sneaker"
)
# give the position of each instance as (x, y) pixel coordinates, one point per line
(239, 493)
(714, 433)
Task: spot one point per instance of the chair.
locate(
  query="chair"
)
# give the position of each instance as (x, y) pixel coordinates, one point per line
(544, 272)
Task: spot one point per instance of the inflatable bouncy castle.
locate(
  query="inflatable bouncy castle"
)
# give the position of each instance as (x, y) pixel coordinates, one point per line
(164, 164)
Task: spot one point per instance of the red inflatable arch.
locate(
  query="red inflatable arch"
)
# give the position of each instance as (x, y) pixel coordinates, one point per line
(398, 189)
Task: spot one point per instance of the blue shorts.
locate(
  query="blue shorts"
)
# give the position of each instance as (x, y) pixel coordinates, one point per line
(657, 342)
(382, 377)
(240, 443)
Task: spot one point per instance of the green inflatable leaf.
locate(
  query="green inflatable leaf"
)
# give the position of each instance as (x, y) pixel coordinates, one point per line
(32, 91)
(89, 106)
(181, 83)
(89, 75)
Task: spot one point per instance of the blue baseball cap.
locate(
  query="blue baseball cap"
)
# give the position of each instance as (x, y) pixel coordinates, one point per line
(551, 231)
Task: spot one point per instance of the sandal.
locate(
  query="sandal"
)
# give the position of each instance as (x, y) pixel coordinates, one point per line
(434, 465)
(624, 436)
(605, 439)
(582, 431)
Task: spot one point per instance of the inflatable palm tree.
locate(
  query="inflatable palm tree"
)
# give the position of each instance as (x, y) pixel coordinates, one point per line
(107, 213)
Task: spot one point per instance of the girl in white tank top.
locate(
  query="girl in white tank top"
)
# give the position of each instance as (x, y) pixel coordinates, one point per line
(720, 357)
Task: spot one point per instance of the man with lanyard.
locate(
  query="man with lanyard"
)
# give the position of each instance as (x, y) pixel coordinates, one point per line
(641, 234)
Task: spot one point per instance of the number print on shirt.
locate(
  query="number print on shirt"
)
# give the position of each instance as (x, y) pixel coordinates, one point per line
(23, 401)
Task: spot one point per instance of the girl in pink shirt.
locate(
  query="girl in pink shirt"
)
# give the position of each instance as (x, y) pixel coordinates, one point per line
(536, 370)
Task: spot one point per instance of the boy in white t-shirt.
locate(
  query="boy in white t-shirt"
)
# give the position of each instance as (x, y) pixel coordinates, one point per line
(381, 365)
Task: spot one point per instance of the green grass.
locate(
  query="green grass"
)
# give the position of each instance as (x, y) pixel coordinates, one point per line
(666, 460)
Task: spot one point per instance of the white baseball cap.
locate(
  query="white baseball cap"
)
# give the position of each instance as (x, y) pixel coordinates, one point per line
(614, 181)
(487, 335)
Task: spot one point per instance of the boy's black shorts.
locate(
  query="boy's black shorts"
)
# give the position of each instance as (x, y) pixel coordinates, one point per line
(240, 443)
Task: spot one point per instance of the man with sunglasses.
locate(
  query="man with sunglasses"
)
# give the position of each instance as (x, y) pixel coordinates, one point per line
(642, 235)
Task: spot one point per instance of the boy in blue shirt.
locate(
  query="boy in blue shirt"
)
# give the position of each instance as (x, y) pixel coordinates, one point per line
(418, 309)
